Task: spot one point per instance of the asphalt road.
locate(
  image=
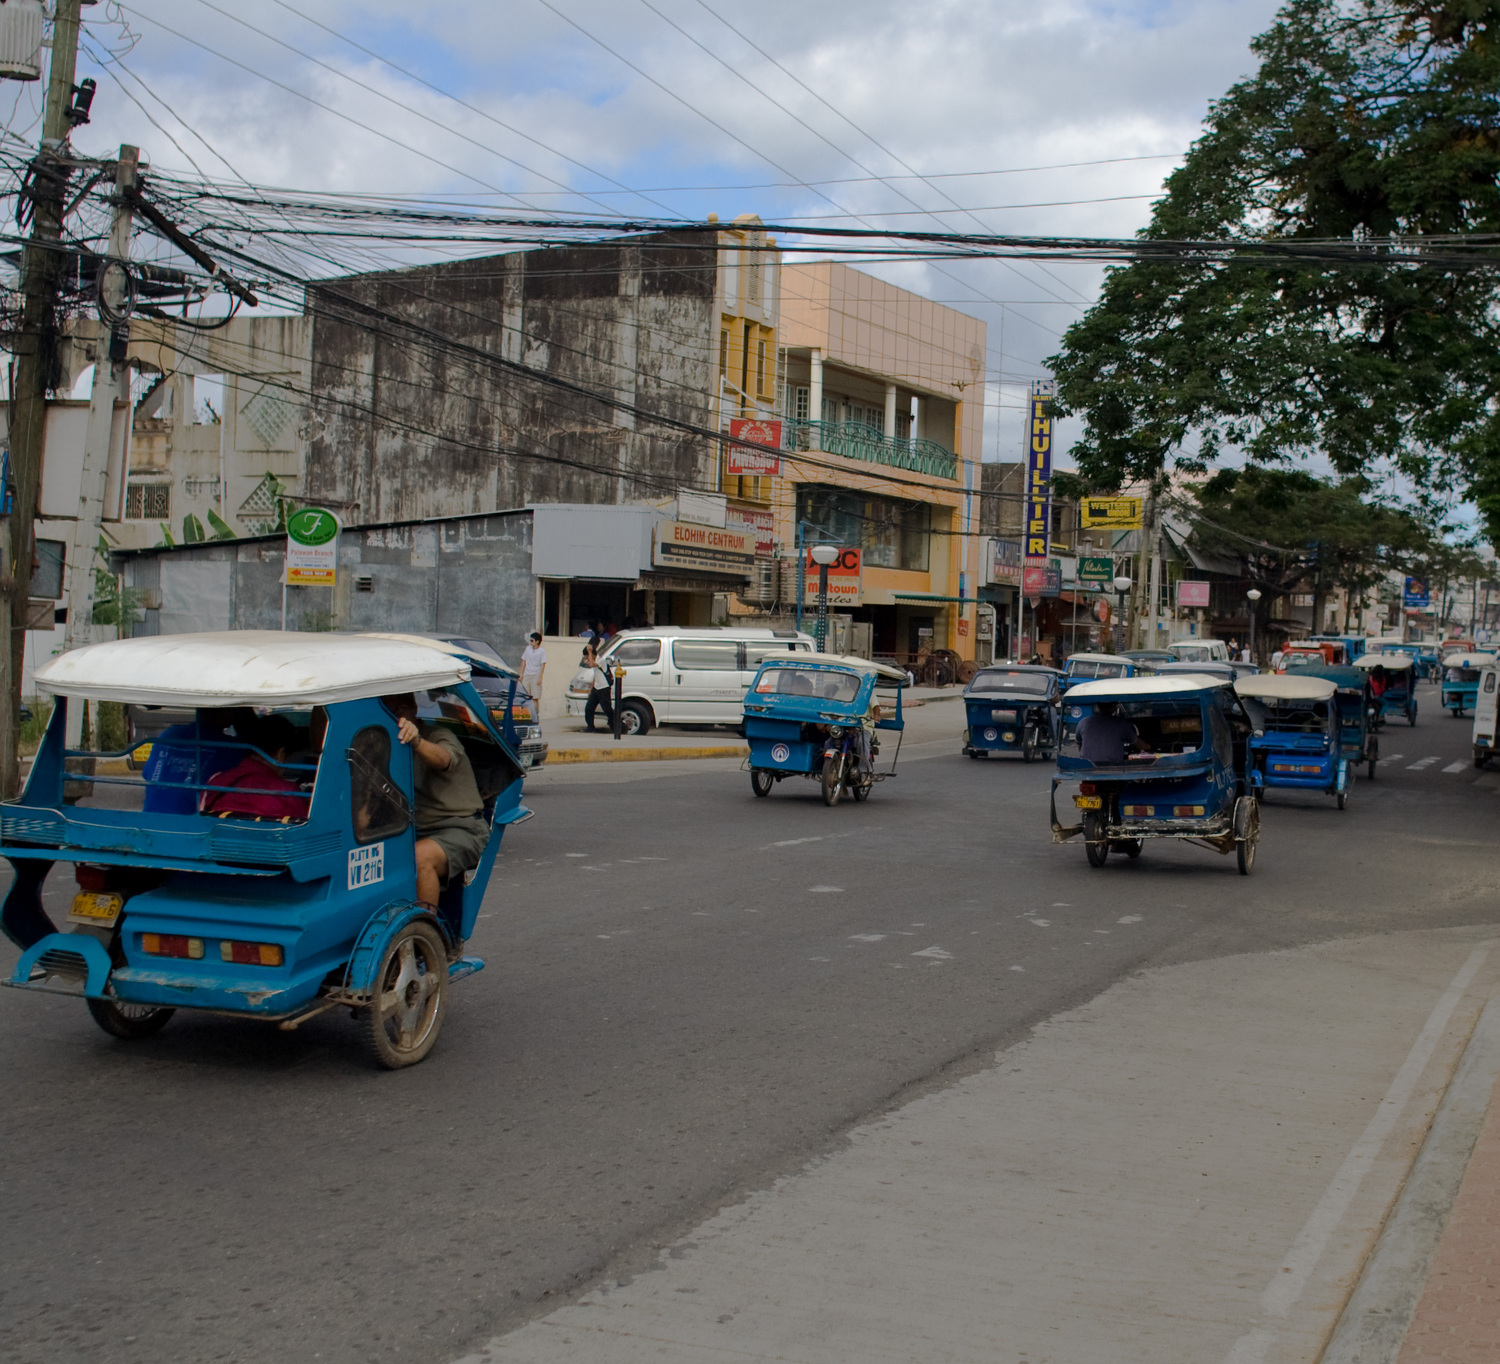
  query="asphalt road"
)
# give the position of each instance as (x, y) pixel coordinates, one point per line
(689, 991)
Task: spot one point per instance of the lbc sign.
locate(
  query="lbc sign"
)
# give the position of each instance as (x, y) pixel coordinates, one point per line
(843, 579)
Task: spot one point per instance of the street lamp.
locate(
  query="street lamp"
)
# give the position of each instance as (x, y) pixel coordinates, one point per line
(1252, 596)
(1122, 586)
(823, 555)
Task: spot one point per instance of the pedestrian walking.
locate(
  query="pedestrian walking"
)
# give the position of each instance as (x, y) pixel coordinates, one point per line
(1275, 660)
(599, 689)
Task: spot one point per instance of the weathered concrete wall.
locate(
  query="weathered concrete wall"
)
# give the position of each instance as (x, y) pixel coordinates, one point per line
(470, 576)
(412, 425)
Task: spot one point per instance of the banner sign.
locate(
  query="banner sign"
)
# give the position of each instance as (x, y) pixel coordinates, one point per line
(755, 463)
(312, 548)
(1190, 593)
(1096, 569)
(688, 547)
(844, 580)
(1039, 469)
(1111, 513)
(1041, 580)
(1417, 593)
(1007, 566)
(762, 524)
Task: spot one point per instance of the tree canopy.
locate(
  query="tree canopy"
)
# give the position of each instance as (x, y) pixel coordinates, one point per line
(1368, 120)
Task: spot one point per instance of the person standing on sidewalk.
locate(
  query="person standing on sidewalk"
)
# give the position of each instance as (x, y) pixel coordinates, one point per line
(533, 667)
(599, 689)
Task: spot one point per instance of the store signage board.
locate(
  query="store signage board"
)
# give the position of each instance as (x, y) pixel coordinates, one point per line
(691, 548)
(762, 524)
(1039, 468)
(312, 548)
(1191, 593)
(1041, 580)
(1417, 593)
(764, 463)
(1096, 569)
(1007, 563)
(1110, 513)
(845, 580)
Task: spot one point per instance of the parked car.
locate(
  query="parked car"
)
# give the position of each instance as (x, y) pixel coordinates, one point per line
(675, 675)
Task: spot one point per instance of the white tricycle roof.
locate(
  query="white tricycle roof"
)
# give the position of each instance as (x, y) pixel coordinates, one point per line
(1392, 663)
(864, 665)
(1285, 687)
(250, 668)
(1166, 685)
(1470, 660)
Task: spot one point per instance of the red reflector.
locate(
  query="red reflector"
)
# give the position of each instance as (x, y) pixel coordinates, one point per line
(1086, 788)
(91, 878)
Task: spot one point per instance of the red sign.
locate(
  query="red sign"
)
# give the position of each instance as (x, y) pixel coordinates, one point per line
(1192, 593)
(765, 432)
(761, 522)
(843, 579)
(963, 626)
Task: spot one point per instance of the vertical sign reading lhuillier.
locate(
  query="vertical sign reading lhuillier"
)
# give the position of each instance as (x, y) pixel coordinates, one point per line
(1038, 528)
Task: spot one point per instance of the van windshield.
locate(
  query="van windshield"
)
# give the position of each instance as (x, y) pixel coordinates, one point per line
(1087, 667)
(830, 686)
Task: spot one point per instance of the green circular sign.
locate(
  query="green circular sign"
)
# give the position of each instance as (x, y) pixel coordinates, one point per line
(312, 526)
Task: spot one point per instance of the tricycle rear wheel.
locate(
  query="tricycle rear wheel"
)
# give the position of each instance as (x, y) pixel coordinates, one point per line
(401, 1023)
(131, 1022)
(761, 781)
(833, 779)
(1094, 842)
(1246, 832)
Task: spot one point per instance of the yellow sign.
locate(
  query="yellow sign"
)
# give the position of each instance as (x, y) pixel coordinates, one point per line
(1111, 513)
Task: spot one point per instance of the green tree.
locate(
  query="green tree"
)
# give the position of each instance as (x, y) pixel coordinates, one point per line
(1366, 121)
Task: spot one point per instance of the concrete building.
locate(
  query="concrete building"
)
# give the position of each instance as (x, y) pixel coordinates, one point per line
(881, 397)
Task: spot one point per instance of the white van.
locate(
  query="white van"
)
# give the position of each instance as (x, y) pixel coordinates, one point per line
(1199, 650)
(680, 676)
(1486, 740)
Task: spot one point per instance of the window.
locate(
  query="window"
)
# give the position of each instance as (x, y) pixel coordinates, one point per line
(706, 655)
(760, 367)
(891, 533)
(724, 353)
(636, 653)
(381, 809)
(827, 685)
(148, 501)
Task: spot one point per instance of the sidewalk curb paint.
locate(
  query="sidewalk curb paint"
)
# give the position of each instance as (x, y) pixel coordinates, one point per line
(1374, 1323)
(1286, 1286)
(559, 756)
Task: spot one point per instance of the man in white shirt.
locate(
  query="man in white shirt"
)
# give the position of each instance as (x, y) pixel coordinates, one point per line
(533, 666)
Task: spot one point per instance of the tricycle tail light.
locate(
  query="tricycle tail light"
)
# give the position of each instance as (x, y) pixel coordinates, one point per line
(1086, 788)
(94, 879)
(252, 953)
(1187, 811)
(172, 945)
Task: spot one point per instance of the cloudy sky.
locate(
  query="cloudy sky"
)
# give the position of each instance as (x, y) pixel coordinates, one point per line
(876, 112)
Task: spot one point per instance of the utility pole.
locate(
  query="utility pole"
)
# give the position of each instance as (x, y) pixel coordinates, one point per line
(111, 375)
(1143, 584)
(36, 362)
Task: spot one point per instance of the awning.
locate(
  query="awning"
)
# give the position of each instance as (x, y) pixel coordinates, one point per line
(931, 599)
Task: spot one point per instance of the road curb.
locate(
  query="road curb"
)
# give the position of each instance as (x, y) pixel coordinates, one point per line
(1374, 1323)
(559, 756)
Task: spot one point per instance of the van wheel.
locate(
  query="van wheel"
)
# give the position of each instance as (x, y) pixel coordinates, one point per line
(761, 781)
(401, 1023)
(129, 1021)
(635, 719)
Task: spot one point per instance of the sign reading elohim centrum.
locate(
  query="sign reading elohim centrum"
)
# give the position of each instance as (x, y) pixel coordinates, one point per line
(1039, 468)
(704, 549)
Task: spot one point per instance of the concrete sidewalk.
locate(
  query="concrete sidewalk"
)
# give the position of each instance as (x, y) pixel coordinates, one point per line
(1194, 1166)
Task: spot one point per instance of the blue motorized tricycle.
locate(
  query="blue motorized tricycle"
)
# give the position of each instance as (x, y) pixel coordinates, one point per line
(820, 716)
(1393, 681)
(1460, 683)
(1012, 708)
(1167, 757)
(1295, 740)
(1357, 711)
(261, 863)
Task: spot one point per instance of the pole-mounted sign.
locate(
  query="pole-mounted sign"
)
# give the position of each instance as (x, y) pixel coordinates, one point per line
(1039, 468)
(312, 548)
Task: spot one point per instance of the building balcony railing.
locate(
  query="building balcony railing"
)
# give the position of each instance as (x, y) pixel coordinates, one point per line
(855, 440)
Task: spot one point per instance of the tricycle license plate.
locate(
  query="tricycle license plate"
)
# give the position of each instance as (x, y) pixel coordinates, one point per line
(1089, 802)
(92, 908)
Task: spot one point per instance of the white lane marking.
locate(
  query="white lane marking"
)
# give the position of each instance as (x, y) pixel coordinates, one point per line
(825, 890)
(1129, 919)
(1017, 968)
(1291, 1277)
(1423, 762)
(1041, 923)
(577, 854)
(867, 937)
(937, 952)
(1062, 904)
(1457, 767)
(792, 842)
(1393, 757)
